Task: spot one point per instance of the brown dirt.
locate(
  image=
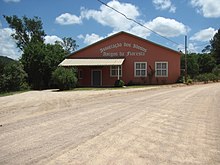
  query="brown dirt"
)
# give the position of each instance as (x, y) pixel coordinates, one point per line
(165, 125)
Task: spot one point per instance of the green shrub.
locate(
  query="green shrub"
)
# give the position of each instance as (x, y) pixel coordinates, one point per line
(180, 79)
(25, 86)
(207, 77)
(13, 77)
(189, 81)
(202, 78)
(64, 78)
(211, 77)
(216, 72)
(119, 83)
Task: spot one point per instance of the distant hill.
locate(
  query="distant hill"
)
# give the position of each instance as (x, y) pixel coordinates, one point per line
(5, 61)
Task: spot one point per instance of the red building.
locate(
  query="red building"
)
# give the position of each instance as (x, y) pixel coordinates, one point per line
(127, 57)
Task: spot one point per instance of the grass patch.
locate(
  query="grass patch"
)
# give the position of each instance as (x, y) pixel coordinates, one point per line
(11, 93)
(141, 86)
(111, 88)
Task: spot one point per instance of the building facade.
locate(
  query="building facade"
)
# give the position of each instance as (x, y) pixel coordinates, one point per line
(127, 57)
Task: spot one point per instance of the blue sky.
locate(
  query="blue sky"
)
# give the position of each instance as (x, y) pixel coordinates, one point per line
(88, 21)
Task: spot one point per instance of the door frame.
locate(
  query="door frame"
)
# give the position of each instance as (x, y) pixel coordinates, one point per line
(92, 76)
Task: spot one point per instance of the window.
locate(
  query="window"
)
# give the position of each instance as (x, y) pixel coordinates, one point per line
(140, 69)
(161, 69)
(114, 71)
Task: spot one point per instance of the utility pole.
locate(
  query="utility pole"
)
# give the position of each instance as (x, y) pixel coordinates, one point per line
(185, 59)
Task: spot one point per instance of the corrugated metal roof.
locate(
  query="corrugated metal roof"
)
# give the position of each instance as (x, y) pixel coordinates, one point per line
(91, 62)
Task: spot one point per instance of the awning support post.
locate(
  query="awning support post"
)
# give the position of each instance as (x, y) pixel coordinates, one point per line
(118, 73)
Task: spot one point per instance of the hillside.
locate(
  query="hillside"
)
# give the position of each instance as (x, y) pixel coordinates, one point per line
(5, 61)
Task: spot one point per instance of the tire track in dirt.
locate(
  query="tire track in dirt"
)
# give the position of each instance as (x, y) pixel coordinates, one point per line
(144, 126)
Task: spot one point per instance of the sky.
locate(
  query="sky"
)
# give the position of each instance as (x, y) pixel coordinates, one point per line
(88, 21)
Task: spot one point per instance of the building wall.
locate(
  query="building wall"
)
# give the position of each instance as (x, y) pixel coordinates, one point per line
(133, 49)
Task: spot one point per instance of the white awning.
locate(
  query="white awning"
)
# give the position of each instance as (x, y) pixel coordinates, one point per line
(91, 62)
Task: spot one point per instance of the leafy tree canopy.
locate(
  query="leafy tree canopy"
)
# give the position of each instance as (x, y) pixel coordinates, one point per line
(206, 63)
(215, 46)
(198, 64)
(27, 30)
(39, 59)
(68, 44)
(192, 64)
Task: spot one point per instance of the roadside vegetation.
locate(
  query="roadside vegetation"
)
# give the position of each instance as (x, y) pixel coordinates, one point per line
(38, 60)
(205, 66)
(119, 83)
(65, 78)
(12, 76)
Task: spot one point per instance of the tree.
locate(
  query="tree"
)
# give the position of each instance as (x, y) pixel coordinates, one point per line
(192, 65)
(54, 55)
(216, 71)
(65, 78)
(206, 63)
(27, 30)
(39, 59)
(32, 59)
(68, 44)
(215, 46)
(207, 49)
(29, 37)
(13, 77)
(198, 64)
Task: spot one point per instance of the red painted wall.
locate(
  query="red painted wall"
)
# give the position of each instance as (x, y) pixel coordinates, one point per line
(154, 53)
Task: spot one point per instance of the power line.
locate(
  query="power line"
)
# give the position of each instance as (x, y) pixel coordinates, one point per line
(130, 19)
(196, 45)
(203, 44)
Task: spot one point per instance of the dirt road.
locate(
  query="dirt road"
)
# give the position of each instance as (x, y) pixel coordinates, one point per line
(179, 125)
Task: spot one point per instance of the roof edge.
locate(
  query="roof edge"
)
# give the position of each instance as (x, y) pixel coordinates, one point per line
(121, 32)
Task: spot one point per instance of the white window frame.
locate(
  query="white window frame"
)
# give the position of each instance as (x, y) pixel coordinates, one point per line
(116, 69)
(135, 69)
(161, 69)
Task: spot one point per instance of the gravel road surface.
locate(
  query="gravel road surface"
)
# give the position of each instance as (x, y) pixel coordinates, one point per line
(163, 125)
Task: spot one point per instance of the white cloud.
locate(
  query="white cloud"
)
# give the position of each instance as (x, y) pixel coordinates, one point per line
(164, 5)
(167, 27)
(209, 8)
(12, 0)
(52, 39)
(109, 17)
(68, 19)
(90, 38)
(140, 31)
(164, 26)
(192, 48)
(204, 35)
(7, 44)
(80, 36)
